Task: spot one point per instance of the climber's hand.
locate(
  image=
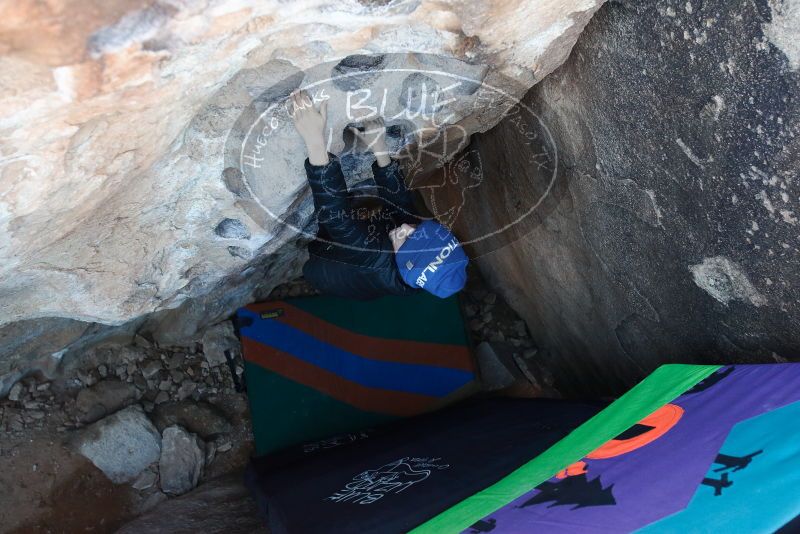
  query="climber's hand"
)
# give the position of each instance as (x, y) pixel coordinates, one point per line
(374, 137)
(310, 124)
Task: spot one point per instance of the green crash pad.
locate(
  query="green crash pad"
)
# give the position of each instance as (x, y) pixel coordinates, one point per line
(320, 366)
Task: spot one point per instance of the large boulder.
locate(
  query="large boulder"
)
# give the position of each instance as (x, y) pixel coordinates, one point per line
(116, 198)
(651, 194)
(121, 445)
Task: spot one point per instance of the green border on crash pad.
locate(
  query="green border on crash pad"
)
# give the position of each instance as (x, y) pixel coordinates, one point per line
(287, 419)
(663, 385)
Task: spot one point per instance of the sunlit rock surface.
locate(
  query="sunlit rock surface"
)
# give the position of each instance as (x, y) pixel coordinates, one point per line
(114, 202)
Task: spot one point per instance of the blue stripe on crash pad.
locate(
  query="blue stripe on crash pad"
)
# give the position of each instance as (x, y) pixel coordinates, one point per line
(422, 379)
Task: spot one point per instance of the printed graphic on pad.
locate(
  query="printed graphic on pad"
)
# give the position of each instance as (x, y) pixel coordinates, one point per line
(752, 483)
(576, 491)
(723, 444)
(645, 431)
(734, 463)
(392, 478)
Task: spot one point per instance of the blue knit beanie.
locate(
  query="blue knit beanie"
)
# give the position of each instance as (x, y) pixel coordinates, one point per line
(433, 259)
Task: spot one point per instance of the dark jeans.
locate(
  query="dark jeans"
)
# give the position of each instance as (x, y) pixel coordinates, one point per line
(332, 204)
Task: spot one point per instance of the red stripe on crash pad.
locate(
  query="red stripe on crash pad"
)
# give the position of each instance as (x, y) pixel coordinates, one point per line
(362, 397)
(375, 348)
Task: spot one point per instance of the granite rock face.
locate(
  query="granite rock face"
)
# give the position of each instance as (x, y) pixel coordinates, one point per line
(662, 161)
(116, 201)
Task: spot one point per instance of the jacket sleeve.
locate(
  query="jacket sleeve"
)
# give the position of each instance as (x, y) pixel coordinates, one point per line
(332, 205)
(397, 199)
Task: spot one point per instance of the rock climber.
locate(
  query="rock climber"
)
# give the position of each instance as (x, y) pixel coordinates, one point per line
(354, 259)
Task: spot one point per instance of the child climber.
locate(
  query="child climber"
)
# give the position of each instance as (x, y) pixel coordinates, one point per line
(351, 259)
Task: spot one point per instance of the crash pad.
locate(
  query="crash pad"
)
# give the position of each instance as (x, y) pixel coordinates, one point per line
(723, 456)
(392, 478)
(320, 366)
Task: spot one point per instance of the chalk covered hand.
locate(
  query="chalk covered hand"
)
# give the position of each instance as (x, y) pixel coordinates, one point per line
(374, 137)
(310, 124)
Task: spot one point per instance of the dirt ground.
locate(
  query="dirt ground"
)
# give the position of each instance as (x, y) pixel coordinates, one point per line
(47, 488)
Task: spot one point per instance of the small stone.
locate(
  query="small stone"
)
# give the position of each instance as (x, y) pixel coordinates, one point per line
(131, 369)
(161, 398)
(520, 329)
(176, 375)
(31, 405)
(86, 378)
(17, 424)
(151, 369)
(102, 370)
(16, 391)
(35, 414)
(176, 360)
(475, 325)
(217, 340)
(211, 452)
(529, 354)
(140, 382)
(490, 298)
(190, 371)
(148, 406)
(182, 460)
(141, 341)
(146, 480)
(43, 387)
(165, 385)
(497, 337)
(486, 317)
(224, 447)
(186, 389)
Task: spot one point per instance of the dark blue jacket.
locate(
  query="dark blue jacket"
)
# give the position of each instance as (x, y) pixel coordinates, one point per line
(350, 257)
